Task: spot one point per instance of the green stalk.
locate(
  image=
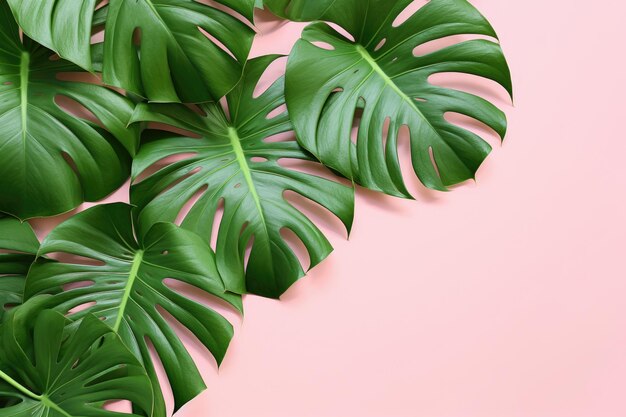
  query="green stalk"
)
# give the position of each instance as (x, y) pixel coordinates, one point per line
(20, 387)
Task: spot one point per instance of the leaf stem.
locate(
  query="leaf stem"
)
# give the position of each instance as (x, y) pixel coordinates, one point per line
(20, 387)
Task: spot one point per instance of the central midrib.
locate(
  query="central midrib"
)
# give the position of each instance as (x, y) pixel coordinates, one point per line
(367, 57)
(245, 169)
(132, 276)
(48, 403)
(24, 79)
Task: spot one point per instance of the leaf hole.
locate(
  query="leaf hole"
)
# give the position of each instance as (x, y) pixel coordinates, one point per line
(444, 42)
(200, 353)
(248, 251)
(408, 12)
(161, 374)
(75, 259)
(472, 84)
(433, 161)
(356, 122)
(258, 159)
(196, 108)
(162, 127)
(280, 137)
(380, 45)
(342, 31)
(203, 298)
(118, 406)
(319, 215)
(277, 112)
(137, 37)
(323, 45)
(297, 246)
(70, 161)
(190, 204)
(385, 133)
(411, 181)
(78, 284)
(270, 76)
(76, 109)
(218, 43)
(81, 308)
(81, 77)
(217, 219)
(310, 167)
(163, 163)
(186, 174)
(473, 125)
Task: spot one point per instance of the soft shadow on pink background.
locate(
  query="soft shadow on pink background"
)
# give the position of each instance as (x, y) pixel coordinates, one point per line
(503, 298)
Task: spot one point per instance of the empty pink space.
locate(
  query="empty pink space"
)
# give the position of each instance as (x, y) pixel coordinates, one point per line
(503, 298)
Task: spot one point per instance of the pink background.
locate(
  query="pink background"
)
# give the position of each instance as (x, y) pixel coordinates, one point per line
(502, 298)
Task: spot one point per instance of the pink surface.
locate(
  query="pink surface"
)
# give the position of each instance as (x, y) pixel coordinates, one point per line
(504, 298)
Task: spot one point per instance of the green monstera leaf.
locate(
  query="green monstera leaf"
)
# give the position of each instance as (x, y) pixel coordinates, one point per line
(50, 369)
(331, 78)
(158, 49)
(123, 282)
(233, 163)
(18, 249)
(303, 10)
(50, 159)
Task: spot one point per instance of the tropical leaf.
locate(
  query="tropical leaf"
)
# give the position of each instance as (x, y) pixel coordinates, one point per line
(330, 78)
(173, 60)
(122, 281)
(18, 249)
(304, 10)
(49, 369)
(52, 160)
(232, 162)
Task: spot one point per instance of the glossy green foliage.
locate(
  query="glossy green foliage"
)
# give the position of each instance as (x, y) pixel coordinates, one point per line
(122, 280)
(304, 10)
(83, 314)
(157, 49)
(233, 163)
(50, 159)
(18, 248)
(50, 369)
(331, 78)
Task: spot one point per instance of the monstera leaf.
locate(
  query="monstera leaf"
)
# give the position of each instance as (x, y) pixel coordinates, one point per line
(303, 10)
(50, 159)
(331, 78)
(232, 162)
(123, 283)
(49, 369)
(18, 249)
(158, 49)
